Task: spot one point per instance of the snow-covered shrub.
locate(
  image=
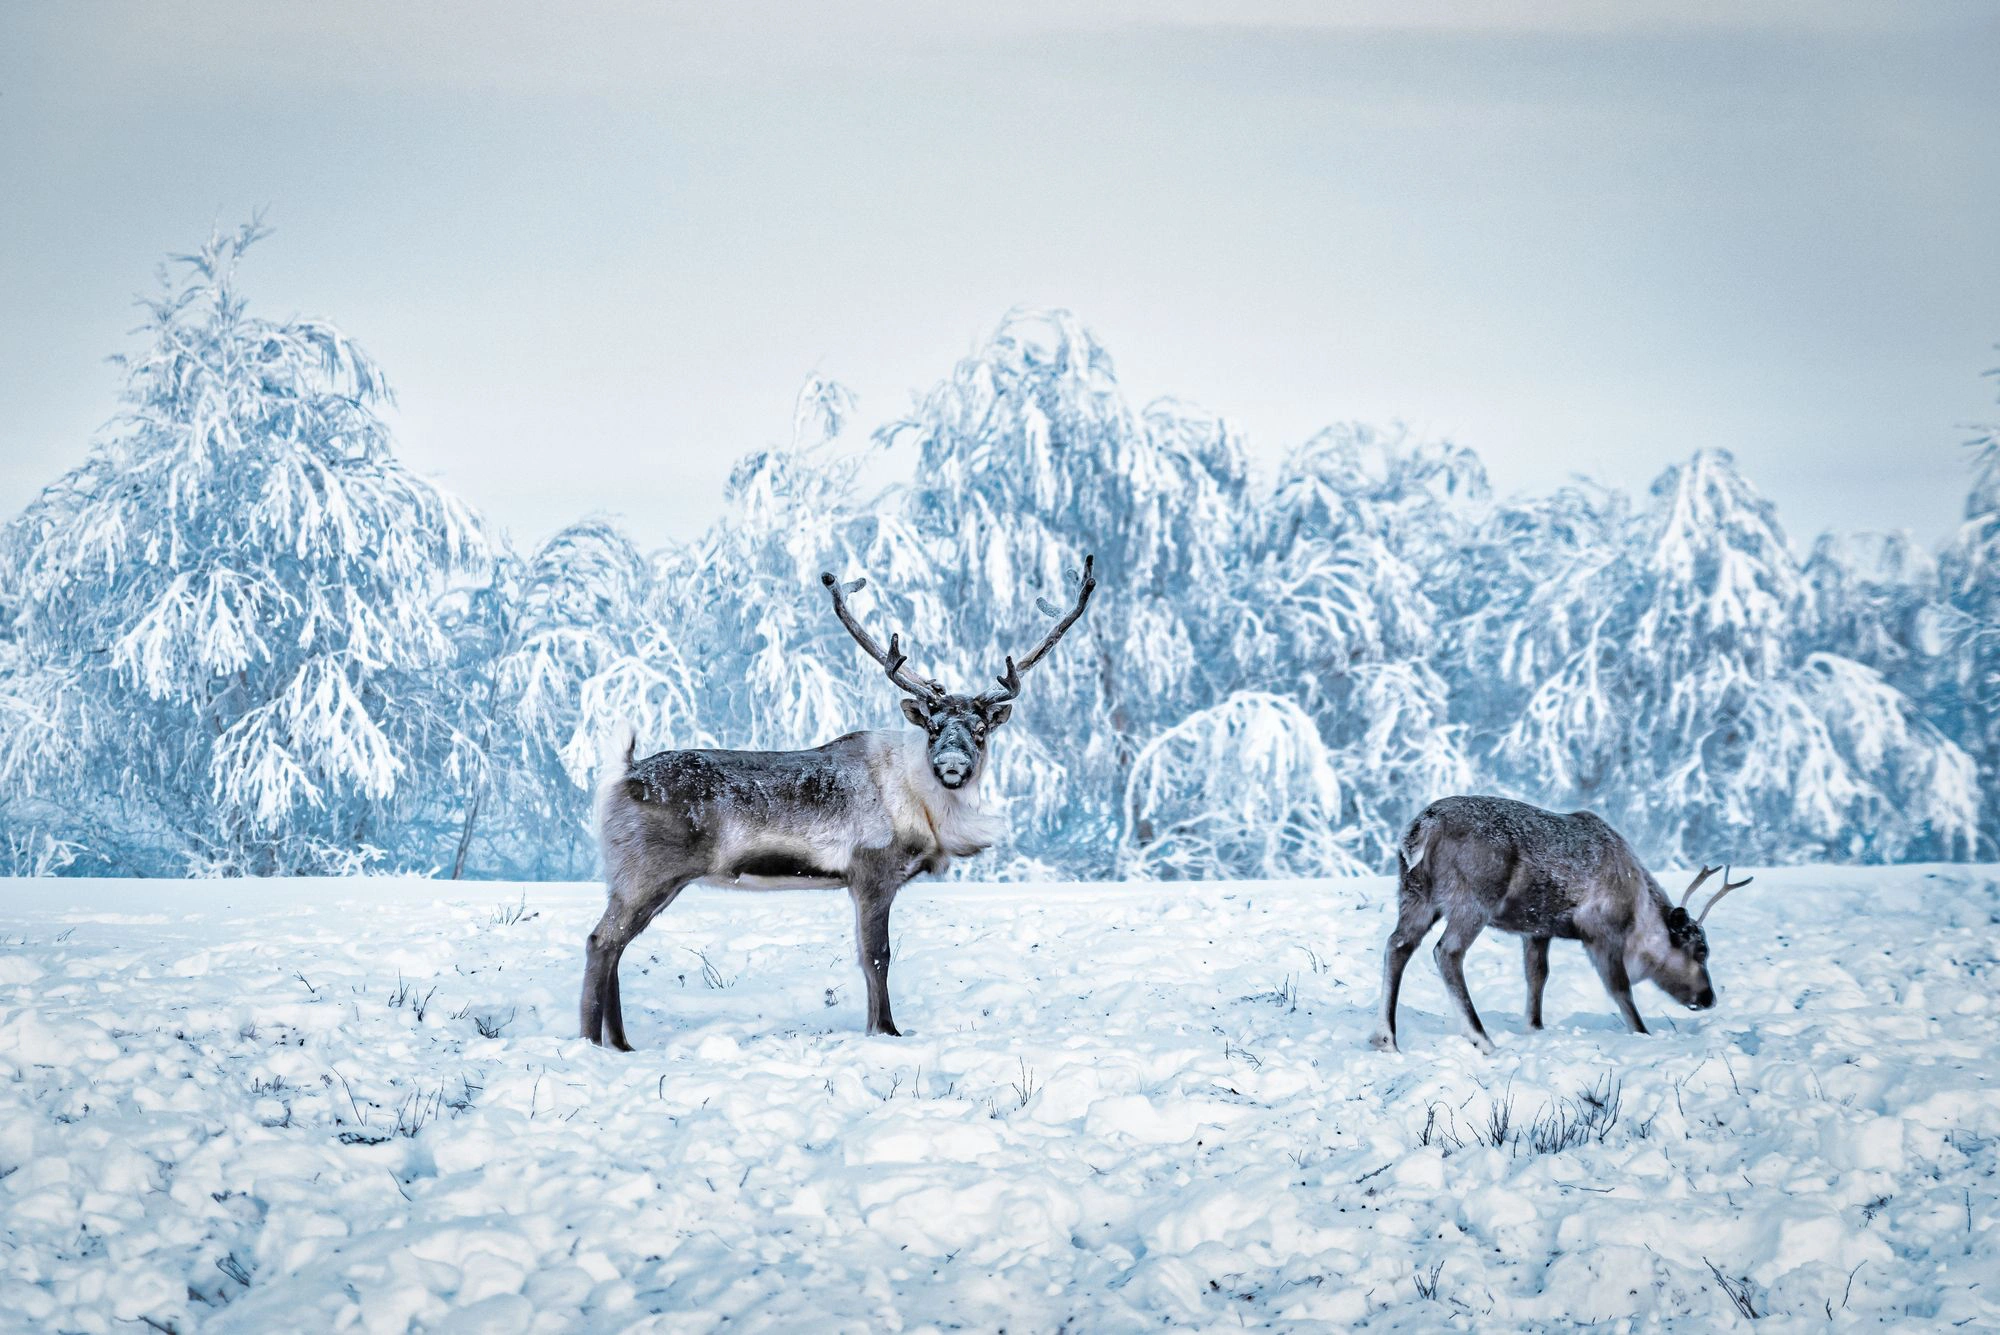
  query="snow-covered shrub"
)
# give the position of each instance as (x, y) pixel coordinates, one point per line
(1245, 788)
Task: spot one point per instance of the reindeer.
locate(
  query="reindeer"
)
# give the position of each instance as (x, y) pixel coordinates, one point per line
(867, 811)
(1487, 861)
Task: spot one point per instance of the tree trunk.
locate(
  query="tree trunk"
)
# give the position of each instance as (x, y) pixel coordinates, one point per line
(465, 835)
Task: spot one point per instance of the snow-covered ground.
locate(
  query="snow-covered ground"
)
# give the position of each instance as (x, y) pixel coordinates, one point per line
(304, 1105)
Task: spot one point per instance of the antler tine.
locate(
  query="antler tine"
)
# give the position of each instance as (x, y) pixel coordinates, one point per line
(1727, 886)
(1694, 885)
(1010, 681)
(892, 659)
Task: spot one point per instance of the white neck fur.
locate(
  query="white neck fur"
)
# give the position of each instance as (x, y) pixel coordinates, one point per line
(954, 817)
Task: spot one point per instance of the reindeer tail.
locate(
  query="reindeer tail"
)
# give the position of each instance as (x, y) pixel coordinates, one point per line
(1417, 841)
(614, 764)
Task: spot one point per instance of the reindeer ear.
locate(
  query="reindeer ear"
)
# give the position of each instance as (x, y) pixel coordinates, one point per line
(914, 711)
(999, 714)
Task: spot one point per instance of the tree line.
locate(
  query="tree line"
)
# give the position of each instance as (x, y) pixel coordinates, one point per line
(241, 637)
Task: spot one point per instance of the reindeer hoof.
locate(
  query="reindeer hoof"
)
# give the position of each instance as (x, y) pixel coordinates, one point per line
(1382, 1042)
(1482, 1042)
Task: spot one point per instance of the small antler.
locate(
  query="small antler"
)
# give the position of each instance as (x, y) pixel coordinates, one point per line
(1010, 680)
(1727, 886)
(892, 659)
(1694, 885)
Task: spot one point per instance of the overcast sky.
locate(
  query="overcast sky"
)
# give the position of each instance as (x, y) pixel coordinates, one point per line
(597, 247)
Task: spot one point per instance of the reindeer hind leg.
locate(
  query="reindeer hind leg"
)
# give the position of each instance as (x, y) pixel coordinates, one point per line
(629, 926)
(614, 1010)
(599, 960)
(1414, 918)
(1459, 934)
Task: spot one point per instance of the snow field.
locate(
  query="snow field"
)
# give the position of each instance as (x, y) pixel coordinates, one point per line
(306, 1105)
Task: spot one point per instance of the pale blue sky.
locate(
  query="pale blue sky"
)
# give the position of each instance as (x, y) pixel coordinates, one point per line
(598, 246)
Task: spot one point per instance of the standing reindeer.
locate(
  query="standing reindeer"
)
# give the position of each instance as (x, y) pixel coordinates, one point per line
(867, 811)
(1487, 861)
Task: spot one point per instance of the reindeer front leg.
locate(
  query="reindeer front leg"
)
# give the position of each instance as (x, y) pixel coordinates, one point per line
(1535, 955)
(874, 891)
(1609, 957)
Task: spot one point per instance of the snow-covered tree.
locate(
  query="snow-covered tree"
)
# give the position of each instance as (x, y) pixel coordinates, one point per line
(230, 651)
(1536, 589)
(1969, 701)
(1338, 611)
(778, 671)
(556, 653)
(1874, 597)
(1919, 791)
(1244, 788)
(1027, 457)
(240, 636)
(30, 821)
(1690, 714)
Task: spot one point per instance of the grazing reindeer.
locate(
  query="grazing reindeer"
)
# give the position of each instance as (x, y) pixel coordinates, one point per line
(868, 811)
(1480, 861)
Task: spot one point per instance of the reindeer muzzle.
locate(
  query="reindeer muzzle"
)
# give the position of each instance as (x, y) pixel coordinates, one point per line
(953, 767)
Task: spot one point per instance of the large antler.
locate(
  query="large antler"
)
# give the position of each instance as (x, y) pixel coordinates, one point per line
(1727, 886)
(892, 659)
(1010, 680)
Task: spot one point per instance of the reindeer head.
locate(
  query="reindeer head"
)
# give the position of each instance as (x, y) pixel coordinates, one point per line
(1682, 972)
(957, 725)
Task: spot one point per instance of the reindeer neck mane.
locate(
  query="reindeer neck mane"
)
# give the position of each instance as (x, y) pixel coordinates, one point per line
(955, 821)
